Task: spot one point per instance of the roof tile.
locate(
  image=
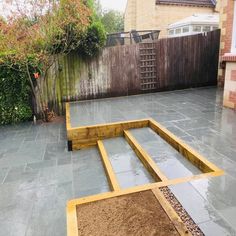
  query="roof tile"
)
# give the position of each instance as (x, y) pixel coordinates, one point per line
(201, 3)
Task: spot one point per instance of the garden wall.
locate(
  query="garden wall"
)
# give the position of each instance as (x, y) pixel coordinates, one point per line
(167, 64)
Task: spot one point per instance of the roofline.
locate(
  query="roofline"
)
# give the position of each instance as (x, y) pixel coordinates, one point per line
(126, 6)
(159, 2)
(193, 23)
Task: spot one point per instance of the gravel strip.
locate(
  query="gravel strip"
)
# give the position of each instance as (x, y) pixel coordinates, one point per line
(184, 216)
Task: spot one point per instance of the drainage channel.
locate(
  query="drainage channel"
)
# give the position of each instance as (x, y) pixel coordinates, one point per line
(170, 162)
(128, 169)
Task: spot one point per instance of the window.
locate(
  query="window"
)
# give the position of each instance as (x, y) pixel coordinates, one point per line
(197, 28)
(214, 28)
(233, 46)
(171, 32)
(185, 29)
(178, 31)
(206, 28)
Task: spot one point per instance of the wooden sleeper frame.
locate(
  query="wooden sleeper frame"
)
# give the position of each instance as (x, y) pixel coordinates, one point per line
(87, 136)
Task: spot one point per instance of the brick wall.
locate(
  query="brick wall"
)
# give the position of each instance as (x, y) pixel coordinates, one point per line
(226, 25)
(227, 66)
(230, 85)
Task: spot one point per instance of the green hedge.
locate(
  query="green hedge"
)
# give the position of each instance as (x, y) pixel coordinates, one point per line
(93, 41)
(14, 95)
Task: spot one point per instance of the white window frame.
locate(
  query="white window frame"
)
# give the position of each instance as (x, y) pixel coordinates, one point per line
(233, 43)
(179, 28)
(197, 26)
(188, 27)
(206, 26)
(171, 30)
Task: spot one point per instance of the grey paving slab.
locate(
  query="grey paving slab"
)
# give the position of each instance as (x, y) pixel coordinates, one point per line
(217, 228)
(8, 194)
(18, 212)
(26, 179)
(64, 161)
(169, 117)
(171, 163)
(41, 164)
(212, 155)
(176, 131)
(219, 191)
(194, 203)
(9, 146)
(64, 192)
(56, 151)
(47, 177)
(8, 228)
(134, 178)
(89, 177)
(129, 170)
(125, 162)
(189, 112)
(3, 173)
(193, 123)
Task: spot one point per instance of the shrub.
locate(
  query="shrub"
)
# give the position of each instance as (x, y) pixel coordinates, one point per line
(14, 95)
(93, 40)
(37, 36)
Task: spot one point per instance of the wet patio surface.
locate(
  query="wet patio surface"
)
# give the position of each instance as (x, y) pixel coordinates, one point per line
(172, 164)
(128, 168)
(38, 176)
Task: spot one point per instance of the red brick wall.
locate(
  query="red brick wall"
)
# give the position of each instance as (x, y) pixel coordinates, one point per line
(226, 15)
(232, 97)
(233, 75)
(228, 26)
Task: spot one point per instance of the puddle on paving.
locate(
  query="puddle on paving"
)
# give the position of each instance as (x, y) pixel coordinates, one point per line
(89, 176)
(128, 168)
(171, 162)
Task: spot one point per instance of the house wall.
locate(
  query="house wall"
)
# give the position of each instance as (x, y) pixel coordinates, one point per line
(140, 15)
(226, 26)
(130, 15)
(146, 15)
(227, 65)
(230, 85)
(168, 14)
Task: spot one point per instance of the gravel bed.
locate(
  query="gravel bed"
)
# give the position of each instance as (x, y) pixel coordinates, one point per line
(185, 217)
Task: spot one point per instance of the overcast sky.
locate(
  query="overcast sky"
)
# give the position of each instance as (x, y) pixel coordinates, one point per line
(114, 4)
(106, 4)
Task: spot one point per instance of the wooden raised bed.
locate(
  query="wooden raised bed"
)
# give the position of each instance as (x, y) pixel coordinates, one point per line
(139, 213)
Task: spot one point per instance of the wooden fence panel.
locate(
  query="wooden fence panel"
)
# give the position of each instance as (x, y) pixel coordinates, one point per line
(181, 62)
(188, 61)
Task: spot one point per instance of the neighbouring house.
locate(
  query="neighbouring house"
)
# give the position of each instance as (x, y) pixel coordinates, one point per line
(159, 14)
(195, 24)
(227, 68)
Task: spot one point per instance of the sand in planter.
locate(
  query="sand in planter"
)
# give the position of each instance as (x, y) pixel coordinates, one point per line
(133, 214)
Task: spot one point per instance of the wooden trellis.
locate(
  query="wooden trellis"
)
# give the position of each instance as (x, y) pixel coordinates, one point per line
(148, 68)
